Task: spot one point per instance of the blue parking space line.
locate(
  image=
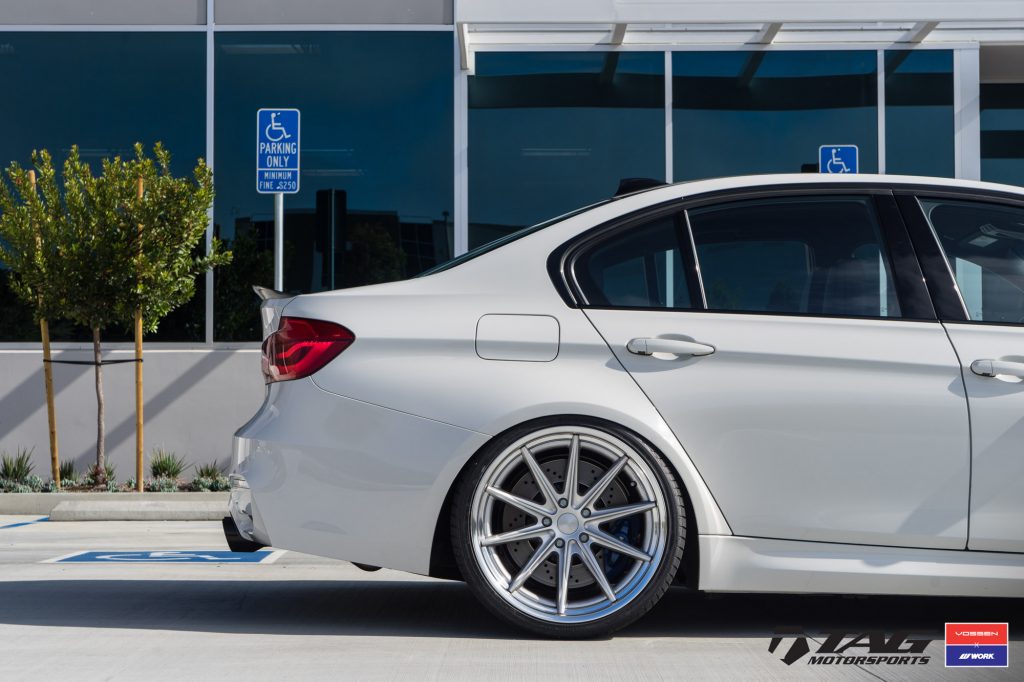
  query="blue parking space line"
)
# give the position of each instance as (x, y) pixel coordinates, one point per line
(198, 556)
(25, 523)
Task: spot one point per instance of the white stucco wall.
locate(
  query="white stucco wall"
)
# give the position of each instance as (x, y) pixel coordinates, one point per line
(194, 401)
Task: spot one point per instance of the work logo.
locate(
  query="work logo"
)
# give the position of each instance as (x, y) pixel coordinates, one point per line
(975, 645)
(844, 648)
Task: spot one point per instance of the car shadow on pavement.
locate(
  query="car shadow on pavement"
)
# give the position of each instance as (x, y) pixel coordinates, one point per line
(448, 609)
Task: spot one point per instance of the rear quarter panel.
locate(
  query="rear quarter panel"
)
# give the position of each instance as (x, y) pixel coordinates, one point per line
(415, 353)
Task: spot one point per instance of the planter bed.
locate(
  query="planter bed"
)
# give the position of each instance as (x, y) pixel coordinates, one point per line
(43, 503)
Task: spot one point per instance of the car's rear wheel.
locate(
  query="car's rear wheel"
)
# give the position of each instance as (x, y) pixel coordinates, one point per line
(569, 529)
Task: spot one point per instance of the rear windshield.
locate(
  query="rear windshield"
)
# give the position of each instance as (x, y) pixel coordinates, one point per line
(498, 243)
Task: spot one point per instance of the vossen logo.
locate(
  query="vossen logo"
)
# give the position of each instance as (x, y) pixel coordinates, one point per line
(844, 648)
(977, 645)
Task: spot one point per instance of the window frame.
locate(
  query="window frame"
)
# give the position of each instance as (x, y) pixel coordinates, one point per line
(916, 303)
(683, 242)
(942, 284)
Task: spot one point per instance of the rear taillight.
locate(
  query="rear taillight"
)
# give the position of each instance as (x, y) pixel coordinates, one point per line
(301, 347)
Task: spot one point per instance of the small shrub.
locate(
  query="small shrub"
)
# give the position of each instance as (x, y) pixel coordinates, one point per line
(166, 464)
(34, 483)
(9, 486)
(211, 470)
(18, 467)
(129, 485)
(91, 478)
(68, 473)
(205, 484)
(162, 484)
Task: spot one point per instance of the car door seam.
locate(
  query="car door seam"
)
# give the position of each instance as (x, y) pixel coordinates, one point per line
(970, 435)
(662, 417)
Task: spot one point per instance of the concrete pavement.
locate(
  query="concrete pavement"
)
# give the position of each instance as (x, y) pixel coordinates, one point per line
(303, 618)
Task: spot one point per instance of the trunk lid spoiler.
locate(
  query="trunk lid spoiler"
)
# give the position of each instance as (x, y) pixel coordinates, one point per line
(272, 305)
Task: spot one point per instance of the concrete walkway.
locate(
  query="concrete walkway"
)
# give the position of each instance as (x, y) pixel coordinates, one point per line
(305, 618)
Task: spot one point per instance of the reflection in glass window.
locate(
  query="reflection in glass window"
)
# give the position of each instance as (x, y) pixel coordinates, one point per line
(640, 267)
(103, 92)
(377, 152)
(919, 112)
(813, 255)
(550, 132)
(985, 247)
(738, 113)
(1002, 132)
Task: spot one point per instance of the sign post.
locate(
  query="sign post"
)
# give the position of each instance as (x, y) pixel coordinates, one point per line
(277, 170)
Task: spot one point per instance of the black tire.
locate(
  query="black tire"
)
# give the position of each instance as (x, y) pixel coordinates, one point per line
(640, 604)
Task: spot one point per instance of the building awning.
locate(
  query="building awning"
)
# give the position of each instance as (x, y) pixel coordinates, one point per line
(488, 25)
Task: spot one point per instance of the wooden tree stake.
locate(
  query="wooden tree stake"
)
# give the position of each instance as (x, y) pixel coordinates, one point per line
(44, 332)
(139, 455)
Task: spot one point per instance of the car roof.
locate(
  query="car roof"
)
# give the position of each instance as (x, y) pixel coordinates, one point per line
(696, 187)
(549, 234)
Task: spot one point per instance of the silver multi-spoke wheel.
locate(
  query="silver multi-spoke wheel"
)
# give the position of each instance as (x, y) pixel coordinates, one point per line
(569, 524)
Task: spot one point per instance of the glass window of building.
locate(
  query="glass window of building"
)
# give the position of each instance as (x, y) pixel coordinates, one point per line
(919, 112)
(103, 91)
(550, 132)
(376, 189)
(739, 113)
(1002, 132)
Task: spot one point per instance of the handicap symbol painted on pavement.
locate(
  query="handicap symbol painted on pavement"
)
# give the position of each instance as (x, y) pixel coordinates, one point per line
(170, 556)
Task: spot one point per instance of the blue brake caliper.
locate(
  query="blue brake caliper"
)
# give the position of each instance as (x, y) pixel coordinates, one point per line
(614, 562)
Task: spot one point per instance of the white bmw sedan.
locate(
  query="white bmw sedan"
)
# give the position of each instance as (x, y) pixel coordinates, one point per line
(762, 384)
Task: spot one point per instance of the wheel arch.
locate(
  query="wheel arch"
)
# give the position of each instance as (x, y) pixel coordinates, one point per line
(442, 558)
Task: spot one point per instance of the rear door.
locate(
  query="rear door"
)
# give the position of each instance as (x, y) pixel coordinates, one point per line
(982, 250)
(789, 343)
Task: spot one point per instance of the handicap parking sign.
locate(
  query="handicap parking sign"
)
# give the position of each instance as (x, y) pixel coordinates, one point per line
(837, 158)
(176, 556)
(277, 151)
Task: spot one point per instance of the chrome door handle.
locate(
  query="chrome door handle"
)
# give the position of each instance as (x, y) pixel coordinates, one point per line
(990, 368)
(674, 346)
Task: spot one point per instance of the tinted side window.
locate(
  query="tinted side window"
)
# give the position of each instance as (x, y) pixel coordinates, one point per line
(985, 247)
(819, 255)
(640, 267)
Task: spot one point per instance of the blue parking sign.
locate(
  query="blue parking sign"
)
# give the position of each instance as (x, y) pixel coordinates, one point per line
(277, 151)
(837, 158)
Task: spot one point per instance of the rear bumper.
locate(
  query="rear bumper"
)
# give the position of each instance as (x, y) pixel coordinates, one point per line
(242, 513)
(323, 474)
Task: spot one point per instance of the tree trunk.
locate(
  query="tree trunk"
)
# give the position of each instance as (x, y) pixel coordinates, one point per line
(101, 464)
(51, 419)
(139, 455)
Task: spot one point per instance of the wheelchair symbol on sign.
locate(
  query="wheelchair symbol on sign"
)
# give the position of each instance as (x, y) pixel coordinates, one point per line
(836, 164)
(163, 556)
(275, 132)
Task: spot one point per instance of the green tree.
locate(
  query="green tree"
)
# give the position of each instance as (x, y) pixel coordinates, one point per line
(31, 224)
(170, 216)
(114, 252)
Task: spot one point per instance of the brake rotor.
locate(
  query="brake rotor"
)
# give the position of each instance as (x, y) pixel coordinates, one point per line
(526, 487)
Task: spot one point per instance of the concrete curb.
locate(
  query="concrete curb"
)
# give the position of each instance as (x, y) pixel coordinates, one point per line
(46, 503)
(139, 510)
